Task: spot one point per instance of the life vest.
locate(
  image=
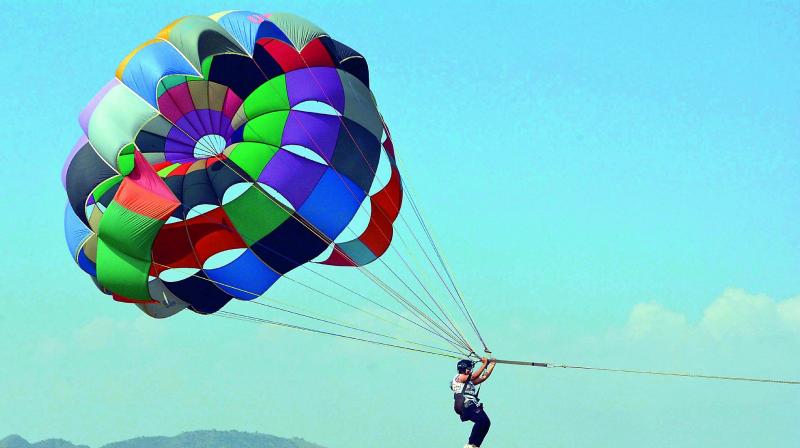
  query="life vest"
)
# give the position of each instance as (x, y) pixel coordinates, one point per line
(464, 394)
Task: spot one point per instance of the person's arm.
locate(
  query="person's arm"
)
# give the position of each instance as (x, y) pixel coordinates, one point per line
(477, 374)
(486, 376)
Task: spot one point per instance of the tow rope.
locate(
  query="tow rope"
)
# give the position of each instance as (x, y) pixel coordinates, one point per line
(647, 372)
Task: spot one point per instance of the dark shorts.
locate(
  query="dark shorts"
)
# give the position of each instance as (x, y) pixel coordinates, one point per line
(471, 411)
(477, 415)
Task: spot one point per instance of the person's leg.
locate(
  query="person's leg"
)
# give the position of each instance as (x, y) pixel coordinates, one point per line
(480, 428)
(469, 415)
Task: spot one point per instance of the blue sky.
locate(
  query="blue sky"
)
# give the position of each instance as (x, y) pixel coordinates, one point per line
(613, 185)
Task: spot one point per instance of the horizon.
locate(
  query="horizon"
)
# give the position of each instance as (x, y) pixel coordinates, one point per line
(15, 437)
(613, 186)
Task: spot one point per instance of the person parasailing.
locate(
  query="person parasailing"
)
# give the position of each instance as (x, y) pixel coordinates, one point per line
(467, 404)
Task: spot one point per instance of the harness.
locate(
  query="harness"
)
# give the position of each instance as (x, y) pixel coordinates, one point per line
(460, 402)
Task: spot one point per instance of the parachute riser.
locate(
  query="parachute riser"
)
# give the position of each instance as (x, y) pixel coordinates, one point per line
(523, 363)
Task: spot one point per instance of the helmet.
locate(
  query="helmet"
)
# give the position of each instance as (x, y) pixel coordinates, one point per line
(464, 365)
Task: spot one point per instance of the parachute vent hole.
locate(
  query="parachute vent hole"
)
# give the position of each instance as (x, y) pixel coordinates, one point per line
(209, 145)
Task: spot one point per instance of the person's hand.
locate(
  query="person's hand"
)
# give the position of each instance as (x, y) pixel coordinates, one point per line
(484, 361)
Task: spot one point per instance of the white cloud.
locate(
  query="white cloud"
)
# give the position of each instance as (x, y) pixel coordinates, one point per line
(736, 314)
(651, 317)
(738, 334)
(789, 312)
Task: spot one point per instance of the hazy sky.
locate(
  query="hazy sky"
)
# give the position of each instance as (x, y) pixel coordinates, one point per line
(612, 185)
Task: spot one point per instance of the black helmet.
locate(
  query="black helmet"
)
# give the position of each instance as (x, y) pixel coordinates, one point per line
(464, 365)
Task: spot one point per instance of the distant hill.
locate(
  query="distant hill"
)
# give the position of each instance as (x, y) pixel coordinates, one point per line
(193, 439)
(15, 441)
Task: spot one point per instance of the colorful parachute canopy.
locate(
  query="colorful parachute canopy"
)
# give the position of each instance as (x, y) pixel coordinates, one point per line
(226, 152)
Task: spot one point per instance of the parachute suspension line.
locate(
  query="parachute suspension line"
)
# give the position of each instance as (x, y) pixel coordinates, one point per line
(428, 280)
(405, 222)
(314, 230)
(408, 304)
(454, 331)
(420, 219)
(188, 235)
(446, 269)
(273, 300)
(328, 241)
(461, 303)
(648, 372)
(438, 254)
(419, 216)
(228, 314)
(363, 297)
(330, 322)
(210, 152)
(374, 172)
(323, 237)
(450, 337)
(197, 260)
(320, 319)
(350, 290)
(426, 328)
(255, 295)
(294, 307)
(402, 218)
(326, 294)
(258, 320)
(336, 299)
(436, 303)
